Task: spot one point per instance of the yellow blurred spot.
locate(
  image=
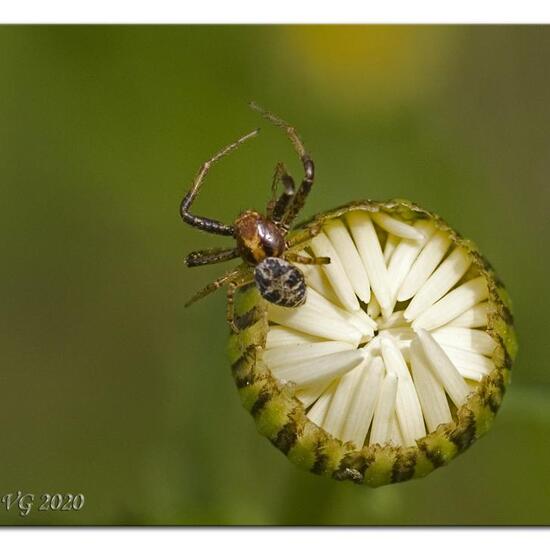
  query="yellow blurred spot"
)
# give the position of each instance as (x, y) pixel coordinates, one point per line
(369, 65)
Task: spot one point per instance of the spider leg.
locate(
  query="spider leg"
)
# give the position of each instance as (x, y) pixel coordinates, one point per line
(308, 260)
(200, 222)
(214, 285)
(305, 187)
(277, 207)
(238, 323)
(302, 236)
(210, 256)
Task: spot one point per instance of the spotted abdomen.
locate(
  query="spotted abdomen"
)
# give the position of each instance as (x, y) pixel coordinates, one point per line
(280, 283)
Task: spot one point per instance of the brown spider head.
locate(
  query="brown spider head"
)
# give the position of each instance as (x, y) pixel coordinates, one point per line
(257, 237)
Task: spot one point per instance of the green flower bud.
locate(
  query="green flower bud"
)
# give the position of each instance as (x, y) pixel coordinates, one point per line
(399, 358)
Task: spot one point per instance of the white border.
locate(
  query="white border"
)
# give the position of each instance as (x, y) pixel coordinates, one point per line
(280, 11)
(275, 539)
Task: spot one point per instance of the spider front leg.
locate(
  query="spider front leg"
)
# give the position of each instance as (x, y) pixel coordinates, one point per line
(307, 260)
(302, 236)
(309, 169)
(277, 207)
(301, 195)
(200, 222)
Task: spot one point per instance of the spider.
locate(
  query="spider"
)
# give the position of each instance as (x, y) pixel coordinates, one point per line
(262, 241)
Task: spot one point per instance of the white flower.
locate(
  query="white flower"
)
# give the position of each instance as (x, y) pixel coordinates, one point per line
(391, 338)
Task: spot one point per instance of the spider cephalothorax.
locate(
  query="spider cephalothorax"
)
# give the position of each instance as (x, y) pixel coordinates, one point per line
(258, 238)
(261, 240)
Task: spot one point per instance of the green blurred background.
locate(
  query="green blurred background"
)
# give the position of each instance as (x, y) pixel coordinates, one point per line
(109, 387)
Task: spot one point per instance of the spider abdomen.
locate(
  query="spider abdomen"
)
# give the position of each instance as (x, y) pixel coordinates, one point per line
(280, 283)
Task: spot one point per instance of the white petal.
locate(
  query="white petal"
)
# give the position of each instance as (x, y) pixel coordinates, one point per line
(396, 227)
(424, 265)
(306, 319)
(441, 281)
(316, 279)
(404, 256)
(361, 409)
(339, 406)
(396, 438)
(409, 412)
(443, 368)
(310, 394)
(476, 341)
(400, 333)
(359, 319)
(367, 243)
(335, 272)
(372, 349)
(373, 307)
(314, 371)
(385, 409)
(318, 412)
(281, 336)
(366, 319)
(453, 304)
(473, 317)
(430, 391)
(469, 365)
(396, 319)
(391, 242)
(296, 353)
(402, 337)
(349, 257)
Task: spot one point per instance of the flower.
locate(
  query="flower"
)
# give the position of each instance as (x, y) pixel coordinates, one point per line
(399, 357)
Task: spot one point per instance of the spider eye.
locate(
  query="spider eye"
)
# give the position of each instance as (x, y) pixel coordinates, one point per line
(280, 283)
